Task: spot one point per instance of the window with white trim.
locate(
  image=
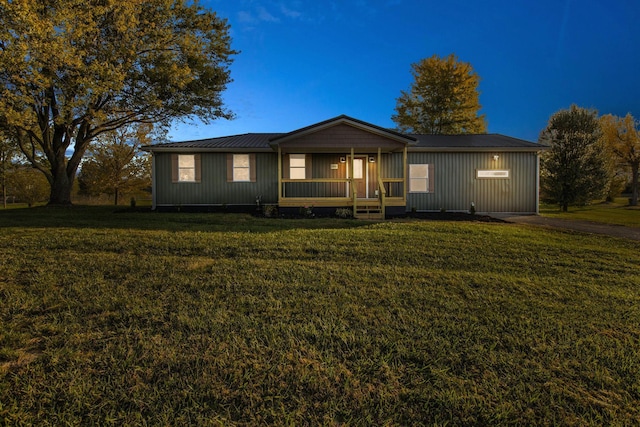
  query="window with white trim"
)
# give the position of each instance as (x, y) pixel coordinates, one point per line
(241, 168)
(186, 168)
(297, 166)
(419, 178)
(492, 174)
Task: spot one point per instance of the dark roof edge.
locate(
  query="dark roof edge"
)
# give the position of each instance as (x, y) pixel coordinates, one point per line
(153, 148)
(414, 149)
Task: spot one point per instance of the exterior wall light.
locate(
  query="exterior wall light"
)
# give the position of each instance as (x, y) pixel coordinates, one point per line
(496, 157)
(372, 159)
(343, 159)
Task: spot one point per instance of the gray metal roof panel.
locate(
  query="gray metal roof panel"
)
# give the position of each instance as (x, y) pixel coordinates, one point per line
(474, 141)
(258, 141)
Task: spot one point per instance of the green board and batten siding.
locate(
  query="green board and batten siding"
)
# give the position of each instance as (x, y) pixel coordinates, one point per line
(456, 185)
(455, 181)
(213, 189)
(452, 180)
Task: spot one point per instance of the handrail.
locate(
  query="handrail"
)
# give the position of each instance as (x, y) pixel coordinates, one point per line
(394, 180)
(383, 195)
(354, 193)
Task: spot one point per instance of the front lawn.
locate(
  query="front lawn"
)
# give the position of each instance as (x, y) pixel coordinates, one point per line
(617, 212)
(212, 319)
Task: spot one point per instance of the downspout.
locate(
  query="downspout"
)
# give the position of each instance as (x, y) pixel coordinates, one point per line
(154, 188)
(538, 183)
(279, 175)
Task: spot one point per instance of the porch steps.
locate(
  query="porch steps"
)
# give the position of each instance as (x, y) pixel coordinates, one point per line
(369, 210)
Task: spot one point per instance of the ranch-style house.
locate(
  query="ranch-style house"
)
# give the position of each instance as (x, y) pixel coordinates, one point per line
(347, 163)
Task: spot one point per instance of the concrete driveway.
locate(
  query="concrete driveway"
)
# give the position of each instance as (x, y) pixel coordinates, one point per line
(583, 226)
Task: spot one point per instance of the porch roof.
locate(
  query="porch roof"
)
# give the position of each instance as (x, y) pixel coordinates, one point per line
(340, 135)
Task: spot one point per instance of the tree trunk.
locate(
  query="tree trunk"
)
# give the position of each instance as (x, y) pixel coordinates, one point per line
(115, 198)
(61, 186)
(565, 207)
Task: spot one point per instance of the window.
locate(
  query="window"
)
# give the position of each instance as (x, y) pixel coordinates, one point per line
(185, 167)
(492, 174)
(419, 178)
(241, 168)
(297, 165)
(358, 167)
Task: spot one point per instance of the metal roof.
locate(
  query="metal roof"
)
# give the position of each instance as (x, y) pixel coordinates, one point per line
(265, 141)
(473, 142)
(247, 141)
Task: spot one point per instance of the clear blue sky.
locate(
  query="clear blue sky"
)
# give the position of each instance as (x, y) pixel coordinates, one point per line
(304, 61)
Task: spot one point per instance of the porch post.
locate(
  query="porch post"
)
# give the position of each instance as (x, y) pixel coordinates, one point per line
(379, 164)
(279, 174)
(381, 189)
(404, 175)
(353, 187)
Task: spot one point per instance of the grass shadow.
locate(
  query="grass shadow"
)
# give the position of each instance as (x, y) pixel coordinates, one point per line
(110, 217)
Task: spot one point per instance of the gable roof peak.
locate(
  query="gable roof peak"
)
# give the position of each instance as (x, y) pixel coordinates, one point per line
(344, 119)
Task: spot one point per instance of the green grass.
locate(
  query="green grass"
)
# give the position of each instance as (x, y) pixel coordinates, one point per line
(617, 213)
(210, 319)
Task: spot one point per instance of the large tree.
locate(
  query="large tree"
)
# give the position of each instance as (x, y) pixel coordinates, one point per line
(443, 99)
(574, 170)
(115, 166)
(71, 70)
(622, 136)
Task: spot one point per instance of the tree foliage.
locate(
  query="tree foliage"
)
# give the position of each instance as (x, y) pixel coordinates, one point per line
(27, 185)
(575, 168)
(443, 99)
(72, 70)
(622, 136)
(115, 166)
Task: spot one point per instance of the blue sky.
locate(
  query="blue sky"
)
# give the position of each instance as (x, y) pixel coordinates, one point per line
(304, 61)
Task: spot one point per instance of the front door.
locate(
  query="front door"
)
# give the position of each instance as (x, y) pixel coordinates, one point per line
(360, 176)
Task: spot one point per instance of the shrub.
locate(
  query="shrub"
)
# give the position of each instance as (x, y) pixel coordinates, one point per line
(270, 211)
(344, 213)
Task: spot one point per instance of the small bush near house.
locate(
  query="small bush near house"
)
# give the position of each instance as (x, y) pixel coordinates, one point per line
(344, 213)
(270, 211)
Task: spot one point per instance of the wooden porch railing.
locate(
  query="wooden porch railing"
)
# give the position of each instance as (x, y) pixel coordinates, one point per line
(387, 195)
(383, 195)
(354, 195)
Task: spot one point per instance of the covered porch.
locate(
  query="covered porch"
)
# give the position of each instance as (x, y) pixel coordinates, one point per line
(353, 181)
(343, 164)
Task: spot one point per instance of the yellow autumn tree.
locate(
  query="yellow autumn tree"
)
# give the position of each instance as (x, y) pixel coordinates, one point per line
(622, 137)
(71, 70)
(443, 99)
(115, 166)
